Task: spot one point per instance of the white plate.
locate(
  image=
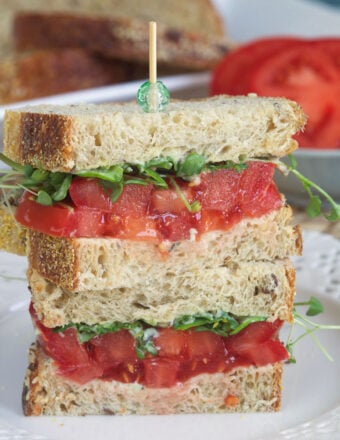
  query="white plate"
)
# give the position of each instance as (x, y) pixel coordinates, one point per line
(311, 402)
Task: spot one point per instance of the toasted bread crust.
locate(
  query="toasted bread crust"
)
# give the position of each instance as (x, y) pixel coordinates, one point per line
(46, 393)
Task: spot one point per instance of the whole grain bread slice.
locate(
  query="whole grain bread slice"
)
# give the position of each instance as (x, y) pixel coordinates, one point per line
(243, 389)
(117, 37)
(48, 72)
(100, 263)
(242, 288)
(199, 16)
(75, 137)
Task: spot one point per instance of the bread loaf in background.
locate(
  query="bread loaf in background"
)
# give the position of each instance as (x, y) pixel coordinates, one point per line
(191, 37)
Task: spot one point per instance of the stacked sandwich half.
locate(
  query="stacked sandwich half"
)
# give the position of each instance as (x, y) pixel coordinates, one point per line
(158, 248)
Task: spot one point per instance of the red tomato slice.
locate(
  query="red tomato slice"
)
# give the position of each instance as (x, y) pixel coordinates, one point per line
(269, 352)
(73, 359)
(89, 193)
(307, 75)
(204, 344)
(59, 219)
(170, 342)
(182, 354)
(256, 333)
(331, 47)
(219, 190)
(258, 195)
(177, 227)
(160, 372)
(167, 200)
(233, 74)
(296, 68)
(134, 200)
(114, 348)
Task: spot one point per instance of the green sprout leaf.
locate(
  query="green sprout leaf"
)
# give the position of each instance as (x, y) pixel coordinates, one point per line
(221, 323)
(193, 207)
(113, 174)
(44, 198)
(314, 208)
(192, 165)
(315, 307)
(62, 188)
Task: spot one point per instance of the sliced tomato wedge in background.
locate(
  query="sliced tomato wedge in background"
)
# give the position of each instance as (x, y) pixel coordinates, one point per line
(306, 71)
(330, 47)
(296, 68)
(303, 73)
(233, 74)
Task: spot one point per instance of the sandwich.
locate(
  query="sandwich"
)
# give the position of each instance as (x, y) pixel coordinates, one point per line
(158, 252)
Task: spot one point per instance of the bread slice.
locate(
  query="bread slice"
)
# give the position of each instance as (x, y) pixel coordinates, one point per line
(199, 17)
(124, 38)
(243, 389)
(100, 263)
(12, 235)
(251, 288)
(48, 72)
(75, 137)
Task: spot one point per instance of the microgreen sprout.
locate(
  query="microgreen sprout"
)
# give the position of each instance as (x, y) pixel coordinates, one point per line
(314, 308)
(191, 207)
(221, 323)
(314, 207)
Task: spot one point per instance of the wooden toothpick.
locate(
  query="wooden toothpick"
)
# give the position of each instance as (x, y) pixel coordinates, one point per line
(153, 52)
(153, 96)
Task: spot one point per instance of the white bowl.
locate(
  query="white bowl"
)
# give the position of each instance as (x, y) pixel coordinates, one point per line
(320, 166)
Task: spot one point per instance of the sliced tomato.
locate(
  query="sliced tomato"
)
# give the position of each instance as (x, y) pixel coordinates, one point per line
(299, 67)
(219, 190)
(204, 344)
(331, 47)
(114, 348)
(259, 195)
(307, 74)
(132, 227)
(90, 193)
(306, 71)
(250, 341)
(160, 372)
(212, 220)
(146, 213)
(233, 74)
(177, 227)
(134, 200)
(59, 219)
(171, 343)
(266, 353)
(182, 354)
(167, 200)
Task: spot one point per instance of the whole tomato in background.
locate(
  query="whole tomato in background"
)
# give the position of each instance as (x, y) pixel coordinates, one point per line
(306, 71)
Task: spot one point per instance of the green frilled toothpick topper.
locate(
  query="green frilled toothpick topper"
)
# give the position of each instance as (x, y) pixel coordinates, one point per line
(153, 96)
